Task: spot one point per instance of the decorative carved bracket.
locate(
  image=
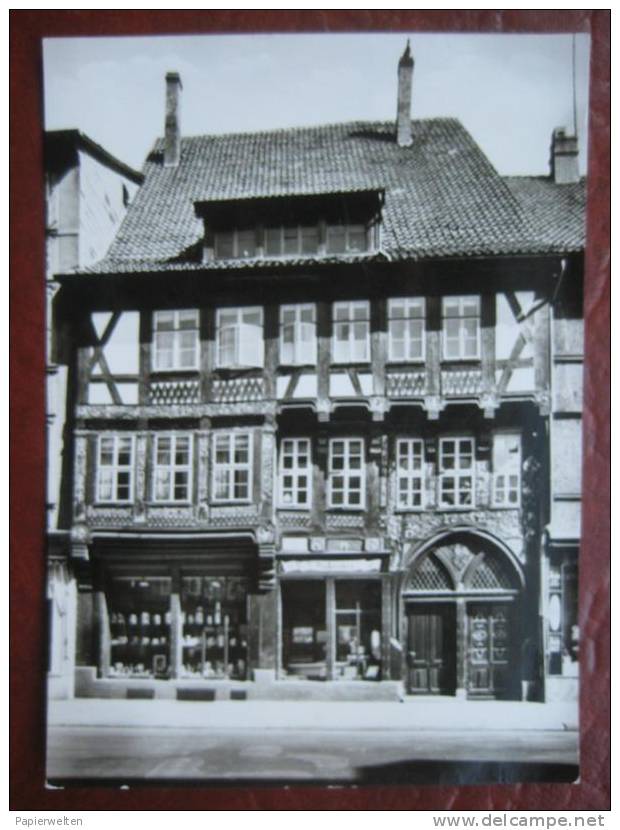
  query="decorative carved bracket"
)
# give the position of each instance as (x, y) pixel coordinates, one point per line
(434, 404)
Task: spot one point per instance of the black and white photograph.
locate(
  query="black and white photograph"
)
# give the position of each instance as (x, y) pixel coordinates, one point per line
(314, 407)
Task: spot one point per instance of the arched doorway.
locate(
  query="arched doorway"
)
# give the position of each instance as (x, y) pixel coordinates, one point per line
(461, 597)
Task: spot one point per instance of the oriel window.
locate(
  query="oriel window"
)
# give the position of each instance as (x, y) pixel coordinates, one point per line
(298, 334)
(240, 337)
(351, 332)
(406, 328)
(115, 468)
(506, 469)
(176, 340)
(456, 472)
(232, 467)
(461, 328)
(295, 472)
(347, 473)
(172, 468)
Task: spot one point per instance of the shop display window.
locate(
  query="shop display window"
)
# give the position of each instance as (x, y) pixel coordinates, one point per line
(358, 630)
(215, 632)
(139, 615)
(304, 642)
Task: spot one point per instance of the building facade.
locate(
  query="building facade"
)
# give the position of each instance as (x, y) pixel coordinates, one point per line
(324, 415)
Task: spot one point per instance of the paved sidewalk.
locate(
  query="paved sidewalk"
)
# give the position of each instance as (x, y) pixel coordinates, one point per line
(420, 714)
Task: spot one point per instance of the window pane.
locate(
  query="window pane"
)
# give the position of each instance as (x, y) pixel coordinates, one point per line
(246, 243)
(360, 311)
(307, 314)
(291, 240)
(357, 238)
(336, 239)
(105, 485)
(162, 484)
(222, 477)
(309, 240)
(273, 241)
(227, 341)
(224, 245)
(188, 319)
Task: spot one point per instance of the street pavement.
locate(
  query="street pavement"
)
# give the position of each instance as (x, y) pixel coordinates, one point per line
(426, 741)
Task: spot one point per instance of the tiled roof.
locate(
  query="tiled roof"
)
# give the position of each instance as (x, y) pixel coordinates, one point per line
(443, 198)
(557, 211)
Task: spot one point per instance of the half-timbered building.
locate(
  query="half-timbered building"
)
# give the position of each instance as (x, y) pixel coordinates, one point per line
(326, 418)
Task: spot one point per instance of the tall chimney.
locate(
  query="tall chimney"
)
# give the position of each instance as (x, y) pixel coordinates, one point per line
(403, 113)
(564, 157)
(172, 141)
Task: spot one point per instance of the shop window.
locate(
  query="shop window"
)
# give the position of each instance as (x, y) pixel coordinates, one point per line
(176, 340)
(215, 631)
(461, 328)
(456, 472)
(358, 630)
(295, 472)
(347, 473)
(172, 468)
(304, 641)
(298, 334)
(351, 337)
(240, 337)
(115, 468)
(410, 473)
(232, 467)
(139, 615)
(506, 469)
(406, 329)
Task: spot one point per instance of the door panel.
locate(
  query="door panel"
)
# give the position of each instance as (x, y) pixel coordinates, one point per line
(431, 649)
(489, 650)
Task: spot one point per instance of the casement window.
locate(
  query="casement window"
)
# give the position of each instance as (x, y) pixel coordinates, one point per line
(172, 468)
(406, 328)
(351, 332)
(115, 459)
(232, 467)
(506, 469)
(347, 473)
(295, 472)
(298, 334)
(176, 340)
(346, 239)
(456, 472)
(236, 244)
(461, 328)
(240, 337)
(291, 240)
(410, 473)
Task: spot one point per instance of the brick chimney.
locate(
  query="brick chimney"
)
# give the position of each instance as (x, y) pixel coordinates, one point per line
(403, 113)
(564, 157)
(172, 142)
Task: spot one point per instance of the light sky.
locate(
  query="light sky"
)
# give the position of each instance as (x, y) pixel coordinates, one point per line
(509, 91)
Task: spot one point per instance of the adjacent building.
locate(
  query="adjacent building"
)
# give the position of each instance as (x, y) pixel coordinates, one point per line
(323, 429)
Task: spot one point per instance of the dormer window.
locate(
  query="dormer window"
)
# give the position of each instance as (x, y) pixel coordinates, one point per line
(237, 244)
(347, 239)
(292, 240)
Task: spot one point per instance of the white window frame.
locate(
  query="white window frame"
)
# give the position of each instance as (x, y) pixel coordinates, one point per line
(298, 252)
(410, 449)
(172, 468)
(295, 471)
(409, 303)
(499, 476)
(458, 473)
(255, 351)
(350, 321)
(176, 333)
(298, 326)
(231, 466)
(116, 468)
(461, 317)
(346, 473)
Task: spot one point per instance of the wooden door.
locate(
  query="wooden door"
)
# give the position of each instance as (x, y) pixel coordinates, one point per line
(489, 651)
(431, 649)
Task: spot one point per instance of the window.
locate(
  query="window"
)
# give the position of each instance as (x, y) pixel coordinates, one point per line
(291, 240)
(456, 472)
(506, 469)
(240, 337)
(297, 334)
(232, 467)
(176, 339)
(172, 468)
(406, 328)
(351, 341)
(237, 244)
(461, 328)
(295, 472)
(409, 473)
(115, 468)
(347, 473)
(346, 239)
